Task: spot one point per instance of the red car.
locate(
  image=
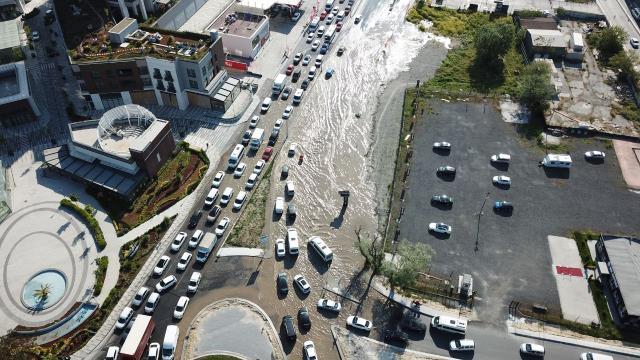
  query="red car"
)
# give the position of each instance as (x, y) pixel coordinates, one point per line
(289, 69)
(323, 15)
(339, 26)
(266, 155)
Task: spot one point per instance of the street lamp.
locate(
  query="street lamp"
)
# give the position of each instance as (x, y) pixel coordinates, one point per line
(486, 197)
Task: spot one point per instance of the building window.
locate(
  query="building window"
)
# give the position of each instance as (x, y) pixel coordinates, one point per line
(111, 100)
(160, 85)
(143, 70)
(157, 74)
(168, 76)
(146, 81)
(193, 84)
(191, 73)
(171, 88)
(204, 71)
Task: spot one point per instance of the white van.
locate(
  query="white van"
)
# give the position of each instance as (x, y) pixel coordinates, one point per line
(297, 97)
(211, 197)
(236, 155)
(256, 139)
(321, 248)
(292, 239)
(340, 16)
(594, 356)
(462, 345)
(449, 324)
(170, 342)
(289, 189)
(557, 160)
(314, 24)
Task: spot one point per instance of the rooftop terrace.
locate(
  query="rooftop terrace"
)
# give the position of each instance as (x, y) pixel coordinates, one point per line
(241, 24)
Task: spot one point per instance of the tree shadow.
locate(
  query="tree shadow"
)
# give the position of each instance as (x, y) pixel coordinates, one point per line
(486, 76)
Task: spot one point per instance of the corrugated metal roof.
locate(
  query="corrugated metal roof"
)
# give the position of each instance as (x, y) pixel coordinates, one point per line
(624, 256)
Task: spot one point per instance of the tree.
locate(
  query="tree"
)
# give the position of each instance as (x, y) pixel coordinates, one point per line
(413, 260)
(535, 89)
(371, 249)
(43, 293)
(609, 41)
(625, 65)
(493, 41)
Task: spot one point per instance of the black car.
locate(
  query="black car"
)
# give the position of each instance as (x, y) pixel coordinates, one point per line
(285, 93)
(411, 323)
(291, 212)
(340, 51)
(446, 170)
(503, 206)
(274, 137)
(396, 335)
(442, 199)
(290, 330)
(246, 137)
(281, 282)
(284, 172)
(303, 318)
(296, 75)
(195, 218)
(213, 214)
(305, 84)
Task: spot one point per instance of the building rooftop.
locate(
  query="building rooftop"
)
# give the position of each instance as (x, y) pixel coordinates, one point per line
(13, 82)
(237, 23)
(122, 25)
(9, 34)
(145, 41)
(624, 255)
(266, 4)
(542, 23)
(548, 38)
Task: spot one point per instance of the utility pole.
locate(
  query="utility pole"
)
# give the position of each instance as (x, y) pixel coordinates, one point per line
(486, 197)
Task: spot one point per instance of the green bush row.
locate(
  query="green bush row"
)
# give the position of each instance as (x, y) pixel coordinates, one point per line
(101, 272)
(101, 243)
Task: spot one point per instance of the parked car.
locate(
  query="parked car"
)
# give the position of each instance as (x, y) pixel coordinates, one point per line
(532, 349)
(226, 196)
(462, 345)
(112, 353)
(217, 180)
(595, 154)
(306, 60)
(246, 137)
(357, 19)
(503, 205)
(287, 112)
(124, 318)
(309, 350)
(178, 241)
(166, 283)
(315, 45)
(310, 38)
(340, 51)
(213, 214)
(338, 26)
(302, 284)
(329, 73)
(194, 282)
(286, 93)
(446, 170)
(502, 180)
(501, 158)
(284, 171)
(181, 307)
(281, 282)
(279, 205)
(305, 84)
(255, 119)
(296, 16)
(304, 320)
(266, 104)
(323, 15)
(222, 226)
(290, 330)
(278, 124)
(289, 69)
(239, 201)
(184, 261)
(152, 302)
(440, 228)
(280, 248)
(251, 181)
(273, 138)
(161, 266)
(323, 49)
(138, 299)
(266, 155)
(239, 170)
(154, 351)
(297, 58)
(359, 323)
(635, 43)
(195, 239)
(195, 219)
(329, 305)
(442, 145)
(442, 199)
(35, 36)
(292, 150)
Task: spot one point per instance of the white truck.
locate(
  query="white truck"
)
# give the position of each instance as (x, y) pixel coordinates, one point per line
(256, 139)
(278, 84)
(206, 247)
(557, 161)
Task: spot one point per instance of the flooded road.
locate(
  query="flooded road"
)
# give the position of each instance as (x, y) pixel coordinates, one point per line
(347, 128)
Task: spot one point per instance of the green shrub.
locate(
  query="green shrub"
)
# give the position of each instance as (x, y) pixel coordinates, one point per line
(101, 272)
(91, 221)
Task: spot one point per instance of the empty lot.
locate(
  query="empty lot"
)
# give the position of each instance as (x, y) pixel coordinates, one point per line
(512, 261)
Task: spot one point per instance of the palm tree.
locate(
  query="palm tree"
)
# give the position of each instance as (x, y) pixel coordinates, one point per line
(43, 293)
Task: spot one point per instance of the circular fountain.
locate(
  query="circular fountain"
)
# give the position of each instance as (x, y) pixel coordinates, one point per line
(44, 289)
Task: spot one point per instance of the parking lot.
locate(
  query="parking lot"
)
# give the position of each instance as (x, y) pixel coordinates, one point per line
(510, 260)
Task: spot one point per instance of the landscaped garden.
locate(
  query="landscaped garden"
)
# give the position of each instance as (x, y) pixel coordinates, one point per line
(175, 180)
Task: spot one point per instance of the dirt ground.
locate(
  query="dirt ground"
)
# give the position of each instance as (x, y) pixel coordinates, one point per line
(628, 154)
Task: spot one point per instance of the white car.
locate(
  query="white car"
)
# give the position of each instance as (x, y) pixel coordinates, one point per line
(278, 124)
(462, 345)
(217, 180)
(287, 112)
(296, 16)
(315, 45)
(595, 154)
(251, 181)
(154, 351)
(181, 307)
(280, 248)
(329, 19)
(161, 266)
(312, 73)
(140, 295)
(259, 166)
(239, 170)
(310, 37)
(309, 350)
(237, 204)
(226, 196)
(253, 123)
(306, 60)
(294, 243)
(302, 284)
(292, 149)
(501, 158)
(297, 58)
(635, 43)
(195, 239)
(184, 261)
(124, 318)
(359, 323)
(502, 180)
(194, 282)
(335, 11)
(330, 305)
(177, 242)
(166, 283)
(222, 226)
(35, 36)
(279, 206)
(441, 228)
(532, 349)
(152, 302)
(357, 19)
(443, 145)
(266, 104)
(112, 353)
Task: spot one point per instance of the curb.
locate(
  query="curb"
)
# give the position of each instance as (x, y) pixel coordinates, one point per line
(568, 341)
(399, 299)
